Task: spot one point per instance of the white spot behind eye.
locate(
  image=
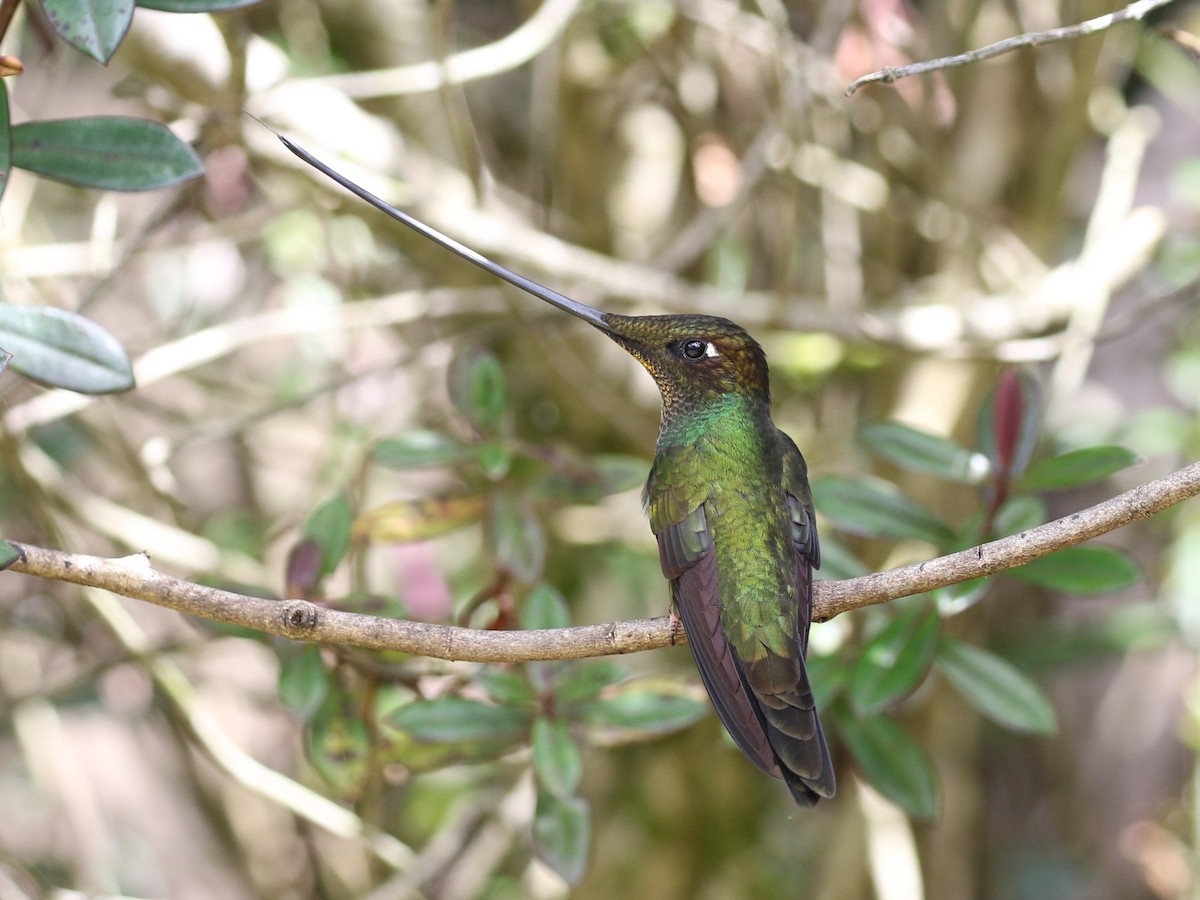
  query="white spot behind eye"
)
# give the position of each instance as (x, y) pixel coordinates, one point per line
(710, 349)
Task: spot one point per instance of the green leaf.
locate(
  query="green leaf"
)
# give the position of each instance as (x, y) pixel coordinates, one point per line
(328, 526)
(108, 152)
(562, 831)
(418, 448)
(420, 519)
(63, 349)
(494, 459)
(506, 687)
(303, 681)
(338, 741)
(8, 555)
(995, 687)
(892, 763)
(557, 762)
(477, 388)
(544, 607)
(920, 451)
(517, 539)
(195, 6)
(1075, 468)
(453, 719)
(1081, 570)
(585, 680)
(5, 140)
(894, 661)
(876, 508)
(1019, 513)
(828, 674)
(96, 27)
(956, 598)
(648, 712)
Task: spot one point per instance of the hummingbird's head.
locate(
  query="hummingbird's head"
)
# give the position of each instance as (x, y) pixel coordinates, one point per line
(692, 358)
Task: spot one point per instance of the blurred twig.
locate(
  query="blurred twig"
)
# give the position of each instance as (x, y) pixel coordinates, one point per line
(510, 52)
(891, 74)
(133, 576)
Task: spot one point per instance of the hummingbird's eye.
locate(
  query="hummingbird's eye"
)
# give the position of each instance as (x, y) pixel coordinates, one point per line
(696, 348)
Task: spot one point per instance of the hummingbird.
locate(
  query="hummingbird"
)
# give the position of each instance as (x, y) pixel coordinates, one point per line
(729, 503)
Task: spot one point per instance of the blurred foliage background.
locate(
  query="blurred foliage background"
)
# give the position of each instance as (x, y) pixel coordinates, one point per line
(329, 406)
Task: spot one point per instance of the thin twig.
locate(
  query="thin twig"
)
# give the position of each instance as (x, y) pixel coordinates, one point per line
(510, 52)
(133, 576)
(891, 74)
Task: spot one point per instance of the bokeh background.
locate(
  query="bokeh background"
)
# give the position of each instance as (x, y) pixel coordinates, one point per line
(896, 252)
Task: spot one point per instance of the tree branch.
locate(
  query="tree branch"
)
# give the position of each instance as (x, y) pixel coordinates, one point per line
(133, 576)
(1133, 12)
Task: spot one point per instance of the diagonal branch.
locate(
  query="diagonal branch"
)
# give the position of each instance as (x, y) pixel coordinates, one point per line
(1133, 12)
(133, 576)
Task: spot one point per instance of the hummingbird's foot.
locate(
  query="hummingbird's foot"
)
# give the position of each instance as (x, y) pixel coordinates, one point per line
(673, 622)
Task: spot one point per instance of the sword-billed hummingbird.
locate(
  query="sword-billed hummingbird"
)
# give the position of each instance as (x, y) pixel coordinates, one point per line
(729, 502)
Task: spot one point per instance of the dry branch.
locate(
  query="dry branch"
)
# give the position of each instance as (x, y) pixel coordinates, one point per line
(133, 576)
(1132, 13)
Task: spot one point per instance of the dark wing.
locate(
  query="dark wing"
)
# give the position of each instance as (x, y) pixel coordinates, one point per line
(781, 683)
(685, 550)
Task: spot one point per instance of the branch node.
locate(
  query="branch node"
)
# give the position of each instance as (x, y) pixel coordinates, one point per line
(300, 618)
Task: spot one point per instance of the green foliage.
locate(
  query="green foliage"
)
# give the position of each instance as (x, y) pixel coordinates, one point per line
(892, 762)
(1078, 467)
(1081, 570)
(96, 27)
(995, 687)
(8, 554)
(62, 349)
(877, 508)
(894, 661)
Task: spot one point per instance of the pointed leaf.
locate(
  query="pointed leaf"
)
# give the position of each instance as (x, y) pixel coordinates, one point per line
(1081, 570)
(562, 831)
(63, 349)
(996, 688)
(894, 661)
(453, 719)
(647, 712)
(328, 526)
(303, 681)
(544, 607)
(893, 763)
(1019, 513)
(5, 140)
(418, 448)
(108, 152)
(339, 743)
(506, 687)
(195, 6)
(8, 555)
(517, 539)
(96, 27)
(494, 459)
(1075, 468)
(1010, 423)
(585, 680)
(557, 761)
(921, 451)
(477, 388)
(421, 519)
(877, 508)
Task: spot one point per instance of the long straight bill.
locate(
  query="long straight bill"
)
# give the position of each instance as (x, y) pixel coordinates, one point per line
(575, 308)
